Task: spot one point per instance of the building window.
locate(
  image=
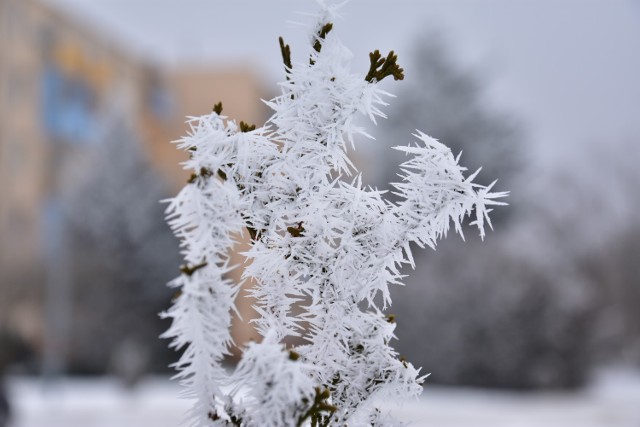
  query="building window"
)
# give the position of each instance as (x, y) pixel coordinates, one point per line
(17, 87)
(15, 155)
(68, 106)
(47, 41)
(15, 18)
(159, 99)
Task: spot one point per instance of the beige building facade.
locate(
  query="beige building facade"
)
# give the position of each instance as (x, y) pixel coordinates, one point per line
(60, 82)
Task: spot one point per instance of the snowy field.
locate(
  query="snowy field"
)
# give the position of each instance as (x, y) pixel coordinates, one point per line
(612, 401)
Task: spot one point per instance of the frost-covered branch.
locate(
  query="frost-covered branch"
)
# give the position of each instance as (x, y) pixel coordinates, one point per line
(319, 242)
(435, 193)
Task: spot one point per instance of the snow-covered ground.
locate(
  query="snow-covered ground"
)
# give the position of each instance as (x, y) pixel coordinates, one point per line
(612, 401)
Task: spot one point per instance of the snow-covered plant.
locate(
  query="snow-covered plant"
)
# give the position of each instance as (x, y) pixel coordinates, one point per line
(324, 250)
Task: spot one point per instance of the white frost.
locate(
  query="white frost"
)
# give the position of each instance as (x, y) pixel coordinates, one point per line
(319, 241)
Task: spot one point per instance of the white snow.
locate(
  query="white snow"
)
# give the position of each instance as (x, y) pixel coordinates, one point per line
(612, 401)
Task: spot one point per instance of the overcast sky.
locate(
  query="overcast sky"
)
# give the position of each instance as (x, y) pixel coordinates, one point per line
(569, 68)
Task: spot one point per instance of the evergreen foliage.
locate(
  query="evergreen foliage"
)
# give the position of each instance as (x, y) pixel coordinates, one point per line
(319, 240)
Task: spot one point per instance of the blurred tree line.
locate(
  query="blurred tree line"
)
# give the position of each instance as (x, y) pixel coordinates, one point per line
(550, 294)
(123, 254)
(555, 289)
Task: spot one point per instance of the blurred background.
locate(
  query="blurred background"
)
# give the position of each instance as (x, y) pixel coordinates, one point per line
(537, 325)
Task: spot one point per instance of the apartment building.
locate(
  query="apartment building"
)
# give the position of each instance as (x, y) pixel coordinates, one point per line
(61, 82)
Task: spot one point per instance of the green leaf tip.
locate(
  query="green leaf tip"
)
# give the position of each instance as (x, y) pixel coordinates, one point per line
(246, 127)
(380, 67)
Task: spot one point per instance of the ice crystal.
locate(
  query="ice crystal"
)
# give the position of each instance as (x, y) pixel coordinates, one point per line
(320, 243)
